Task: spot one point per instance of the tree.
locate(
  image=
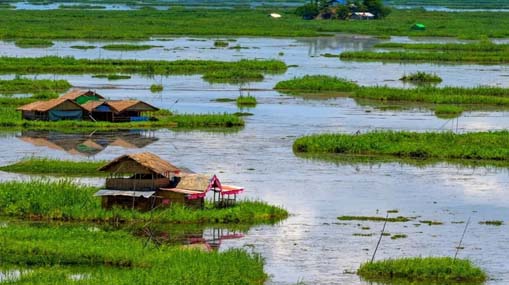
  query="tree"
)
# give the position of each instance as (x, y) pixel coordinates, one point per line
(308, 11)
(376, 7)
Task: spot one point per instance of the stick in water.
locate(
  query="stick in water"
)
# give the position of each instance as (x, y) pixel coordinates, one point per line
(461, 240)
(380, 239)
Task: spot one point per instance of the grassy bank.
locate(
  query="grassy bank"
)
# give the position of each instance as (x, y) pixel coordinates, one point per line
(24, 85)
(435, 270)
(483, 148)
(54, 64)
(319, 85)
(233, 76)
(128, 47)
(33, 43)
(421, 78)
(64, 200)
(47, 253)
(93, 24)
(37, 165)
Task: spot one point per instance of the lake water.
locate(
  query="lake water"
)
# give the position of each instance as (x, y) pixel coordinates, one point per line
(311, 245)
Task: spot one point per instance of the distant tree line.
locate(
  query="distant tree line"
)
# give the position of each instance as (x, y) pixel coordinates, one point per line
(341, 9)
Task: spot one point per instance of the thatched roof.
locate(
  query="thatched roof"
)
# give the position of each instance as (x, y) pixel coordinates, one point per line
(124, 105)
(146, 160)
(91, 105)
(75, 93)
(44, 106)
(194, 182)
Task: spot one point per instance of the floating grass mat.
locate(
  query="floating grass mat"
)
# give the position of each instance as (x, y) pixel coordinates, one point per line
(233, 76)
(448, 111)
(421, 78)
(482, 52)
(128, 47)
(54, 64)
(52, 254)
(221, 43)
(83, 47)
(37, 165)
(65, 200)
(492, 223)
(374, 219)
(112, 76)
(33, 43)
(114, 25)
(319, 85)
(246, 101)
(430, 270)
(484, 148)
(24, 85)
(155, 88)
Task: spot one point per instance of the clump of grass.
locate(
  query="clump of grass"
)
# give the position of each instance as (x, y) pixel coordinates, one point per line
(54, 64)
(83, 47)
(492, 223)
(118, 257)
(398, 236)
(65, 200)
(25, 85)
(431, 223)
(362, 235)
(154, 88)
(393, 211)
(243, 114)
(128, 47)
(225, 100)
(422, 269)
(448, 111)
(246, 101)
(37, 165)
(373, 219)
(232, 76)
(485, 147)
(421, 77)
(219, 43)
(33, 43)
(317, 83)
(112, 76)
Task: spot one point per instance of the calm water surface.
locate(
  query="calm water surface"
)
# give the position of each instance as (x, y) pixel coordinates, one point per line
(312, 245)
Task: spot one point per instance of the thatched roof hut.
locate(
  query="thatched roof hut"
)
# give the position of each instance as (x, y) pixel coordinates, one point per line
(52, 110)
(82, 96)
(118, 110)
(140, 163)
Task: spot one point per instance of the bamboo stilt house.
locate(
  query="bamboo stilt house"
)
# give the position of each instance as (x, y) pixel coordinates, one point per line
(144, 181)
(52, 110)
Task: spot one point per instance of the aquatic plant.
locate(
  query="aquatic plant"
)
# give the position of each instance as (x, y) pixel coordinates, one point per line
(398, 236)
(154, 88)
(233, 76)
(448, 111)
(110, 256)
(83, 47)
(81, 6)
(438, 270)
(39, 165)
(246, 101)
(421, 77)
(492, 223)
(65, 200)
(55, 64)
(112, 76)
(374, 219)
(128, 47)
(33, 43)
(25, 85)
(221, 43)
(431, 223)
(316, 83)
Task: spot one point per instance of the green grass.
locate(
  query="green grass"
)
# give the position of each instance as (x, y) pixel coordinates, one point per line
(221, 43)
(128, 47)
(69, 65)
(81, 6)
(431, 223)
(317, 86)
(50, 253)
(487, 148)
(112, 76)
(398, 236)
(246, 101)
(155, 88)
(456, 4)
(114, 25)
(492, 223)
(448, 111)
(83, 47)
(25, 85)
(316, 83)
(225, 100)
(234, 76)
(65, 200)
(33, 43)
(421, 77)
(434, 270)
(373, 219)
(38, 165)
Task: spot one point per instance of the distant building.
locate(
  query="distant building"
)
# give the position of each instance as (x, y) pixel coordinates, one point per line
(362, 16)
(52, 110)
(118, 110)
